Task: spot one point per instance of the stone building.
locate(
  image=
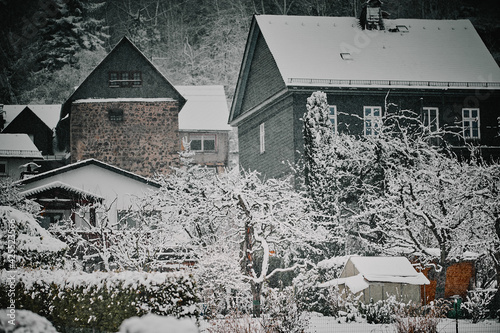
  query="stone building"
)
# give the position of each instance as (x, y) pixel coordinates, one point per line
(125, 113)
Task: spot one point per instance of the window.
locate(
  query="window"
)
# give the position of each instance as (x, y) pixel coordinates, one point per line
(372, 120)
(431, 119)
(470, 123)
(125, 79)
(205, 142)
(333, 117)
(262, 138)
(3, 168)
(115, 114)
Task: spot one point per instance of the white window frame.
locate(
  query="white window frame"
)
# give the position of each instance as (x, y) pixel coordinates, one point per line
(468, 131)
(203, 138)
(431, 123)
(262, 137)
(372, 119)
(332, 115)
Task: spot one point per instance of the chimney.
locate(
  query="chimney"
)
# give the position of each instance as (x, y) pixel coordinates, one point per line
(371, 16)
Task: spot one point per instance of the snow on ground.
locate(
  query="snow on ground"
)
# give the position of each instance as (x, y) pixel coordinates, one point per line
(328, 324)
(152, 323)
(319, 324)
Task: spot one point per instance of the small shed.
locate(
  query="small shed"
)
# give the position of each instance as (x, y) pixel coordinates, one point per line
(376, 278)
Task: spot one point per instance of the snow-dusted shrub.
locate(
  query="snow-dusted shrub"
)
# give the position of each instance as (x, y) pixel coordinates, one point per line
(381, 312)
(420, 319)
(344, 305)
(100, 300)
(24, 243)
(312, 298)
(235, 322)
(152, 323)
(24, 321)
(281, 313)
(477, 303)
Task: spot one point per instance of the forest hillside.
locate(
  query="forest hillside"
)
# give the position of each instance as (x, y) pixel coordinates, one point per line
(48, 47)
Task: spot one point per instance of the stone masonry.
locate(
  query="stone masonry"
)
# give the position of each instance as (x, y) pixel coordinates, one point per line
(138, 135)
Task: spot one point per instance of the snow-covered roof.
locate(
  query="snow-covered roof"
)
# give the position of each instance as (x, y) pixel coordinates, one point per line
(84, 163)
(18, 145)
(334, 51)
(48, 113)
(123, 99)
(206, 108)
(379, 269)
(61, 185)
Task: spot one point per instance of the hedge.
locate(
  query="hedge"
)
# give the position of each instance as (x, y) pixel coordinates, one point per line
(99, 300)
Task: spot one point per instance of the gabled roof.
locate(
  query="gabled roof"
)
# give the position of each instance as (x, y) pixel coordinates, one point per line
(87, 162)
(379, 269)
(60, 185)
(206, 108)
(18, 145)
(48, 113)
(123, 42)
(334, 51)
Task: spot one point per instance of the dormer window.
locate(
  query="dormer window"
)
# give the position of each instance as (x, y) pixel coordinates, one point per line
(125, 79)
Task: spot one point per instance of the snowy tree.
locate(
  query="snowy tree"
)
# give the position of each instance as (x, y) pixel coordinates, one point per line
(239, 221)
(404, 192)
(72, 29)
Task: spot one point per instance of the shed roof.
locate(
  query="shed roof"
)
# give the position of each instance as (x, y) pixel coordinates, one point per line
(206, 108)
(48, 113)
(18, 145)
(60, 185)
(308, 52)
(379, 269)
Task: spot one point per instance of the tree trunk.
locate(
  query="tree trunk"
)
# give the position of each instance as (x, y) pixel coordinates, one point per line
(256, 291)
(441, 282)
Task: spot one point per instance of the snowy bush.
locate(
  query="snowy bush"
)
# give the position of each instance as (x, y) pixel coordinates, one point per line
(24, 321)
(312, 298)
(281, 313)
(100, 300)
(344, 305)
(24, 243)
(477, 303)
(381, 312)
(152, 323)
(420, 319)
(235, 322)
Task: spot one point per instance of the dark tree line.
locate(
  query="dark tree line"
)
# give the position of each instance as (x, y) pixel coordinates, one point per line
(48, 47)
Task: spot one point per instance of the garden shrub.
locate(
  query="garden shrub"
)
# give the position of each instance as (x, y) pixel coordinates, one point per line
(100, 300)
(24, 321)
(281, 313)
(420, 319)
(476, 305)
(381, 312)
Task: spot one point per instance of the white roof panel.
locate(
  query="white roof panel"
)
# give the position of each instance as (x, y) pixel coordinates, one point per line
(309, 47)
(18, 145)
(206, 108)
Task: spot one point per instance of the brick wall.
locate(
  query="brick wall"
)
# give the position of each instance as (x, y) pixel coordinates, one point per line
(460, 278)
(146, 141)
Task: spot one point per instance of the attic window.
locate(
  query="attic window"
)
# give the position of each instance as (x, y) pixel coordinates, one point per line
(346, 56)
(125, 79)
(115, 114)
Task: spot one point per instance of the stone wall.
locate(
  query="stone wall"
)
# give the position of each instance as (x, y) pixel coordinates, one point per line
(138, 136)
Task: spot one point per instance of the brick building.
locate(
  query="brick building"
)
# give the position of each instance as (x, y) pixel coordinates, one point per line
(439, 69)
(124, 113)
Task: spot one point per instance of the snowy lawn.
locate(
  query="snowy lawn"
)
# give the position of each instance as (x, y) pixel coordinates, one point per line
(330, 325)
